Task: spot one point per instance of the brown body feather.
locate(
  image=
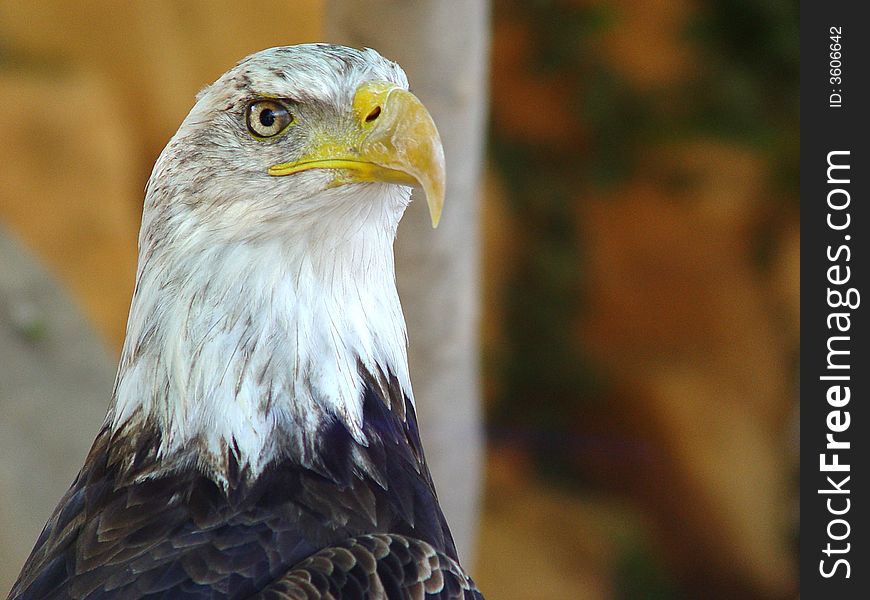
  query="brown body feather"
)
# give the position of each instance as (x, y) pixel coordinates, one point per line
(128, 530)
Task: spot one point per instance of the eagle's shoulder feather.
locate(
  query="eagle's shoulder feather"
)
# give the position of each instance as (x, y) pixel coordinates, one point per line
(375, 566)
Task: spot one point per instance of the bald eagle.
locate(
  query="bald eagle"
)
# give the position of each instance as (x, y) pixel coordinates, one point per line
(261, 441)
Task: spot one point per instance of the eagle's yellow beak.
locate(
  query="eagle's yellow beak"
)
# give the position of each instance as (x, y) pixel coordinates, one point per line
(393, 140)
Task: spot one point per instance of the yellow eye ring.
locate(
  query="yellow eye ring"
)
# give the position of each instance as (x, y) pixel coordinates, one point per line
(267, 118)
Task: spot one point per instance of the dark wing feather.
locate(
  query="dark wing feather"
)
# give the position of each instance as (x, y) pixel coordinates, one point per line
(175, 535)
(374, 567)
(133, 527)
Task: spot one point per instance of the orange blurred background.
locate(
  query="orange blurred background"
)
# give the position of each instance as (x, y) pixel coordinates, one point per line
(641, 258)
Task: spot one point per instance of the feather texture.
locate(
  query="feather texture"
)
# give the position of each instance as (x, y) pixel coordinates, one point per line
(376, 567)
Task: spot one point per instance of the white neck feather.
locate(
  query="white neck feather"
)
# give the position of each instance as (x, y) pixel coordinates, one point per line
(253, 342)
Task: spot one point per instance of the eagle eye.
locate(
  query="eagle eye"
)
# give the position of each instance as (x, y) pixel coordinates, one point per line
(267, 118)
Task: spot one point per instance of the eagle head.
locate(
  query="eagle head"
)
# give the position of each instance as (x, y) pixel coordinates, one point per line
(265, 290)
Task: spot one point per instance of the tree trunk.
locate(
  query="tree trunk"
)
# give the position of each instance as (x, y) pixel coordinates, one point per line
(443, 47)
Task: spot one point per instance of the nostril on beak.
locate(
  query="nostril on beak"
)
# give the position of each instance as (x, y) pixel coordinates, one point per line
(374, 114)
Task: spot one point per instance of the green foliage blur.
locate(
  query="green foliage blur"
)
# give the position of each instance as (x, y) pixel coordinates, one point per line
(745, 92)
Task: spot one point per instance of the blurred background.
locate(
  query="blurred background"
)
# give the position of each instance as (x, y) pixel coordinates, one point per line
(625, 249)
